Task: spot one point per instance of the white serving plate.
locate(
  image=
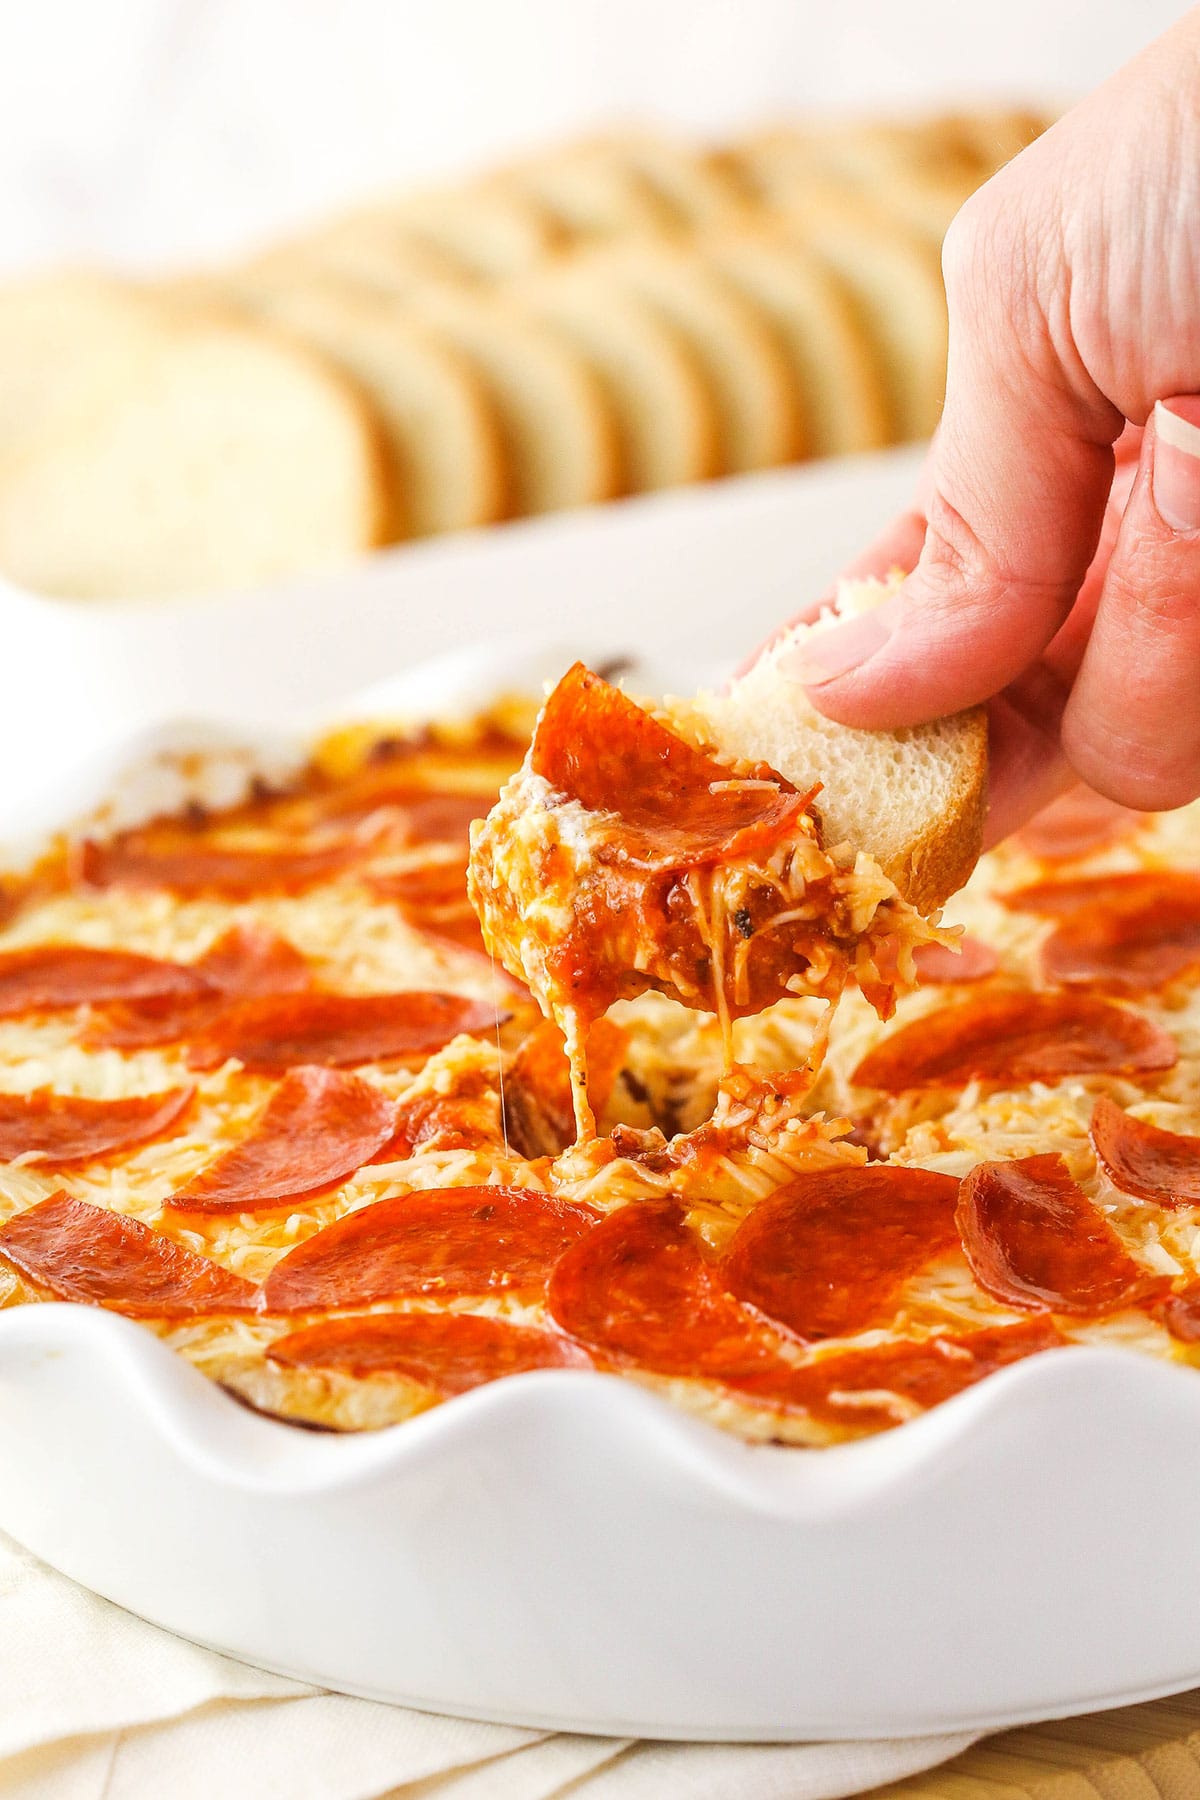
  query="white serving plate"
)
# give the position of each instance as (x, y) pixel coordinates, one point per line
(565, 1549)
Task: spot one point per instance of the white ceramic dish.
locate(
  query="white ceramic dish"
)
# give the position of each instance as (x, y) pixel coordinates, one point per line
(566, 1550)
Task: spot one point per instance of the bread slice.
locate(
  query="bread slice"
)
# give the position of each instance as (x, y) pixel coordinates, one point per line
(221, 457)
(746, 372)
(700, 191)
(836, 370)
(893, 276)
(63, 338)
(557, 427)
(370, 248)
(665, 418)
(588, 194)
(913, 799)
(485, 230)
(433, 406)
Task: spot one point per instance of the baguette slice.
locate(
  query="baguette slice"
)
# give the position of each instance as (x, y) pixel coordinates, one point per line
(893, 276)
(431, 403)
(665, 420)
(221, 458)
(913, 799)
(556, 426)
(834, 366)
(744, 369)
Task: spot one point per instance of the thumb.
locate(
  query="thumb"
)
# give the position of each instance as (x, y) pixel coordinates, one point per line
(1132, 725)
(1020, 472)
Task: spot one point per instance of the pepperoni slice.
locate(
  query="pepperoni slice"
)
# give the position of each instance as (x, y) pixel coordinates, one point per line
(462, 1121)
(824, 1255)
(62, 1128)
(1134, 930)
(850, 1389)
(430, 885)
(43, 977)
(1034, 1239)
(1075, 825)
(318, 1127)
(423, 815)
(279, 1032)
(247, 960)
(1138, 948)
(1132, 891)
(448, 1352)
(972, 961)
(445, 1241)
(442, 818)
(185, 862)
(1017, 1038)
(640, 1291)
(539, 1109)
(251, 959)
(676, 806)
(87, 1253)
(1143, 1160)
(433, 899)
(1180, 1313)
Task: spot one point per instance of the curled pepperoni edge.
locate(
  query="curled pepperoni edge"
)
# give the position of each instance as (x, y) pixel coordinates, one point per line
(97, 1257)
(1140, 1159)
(319, 1127)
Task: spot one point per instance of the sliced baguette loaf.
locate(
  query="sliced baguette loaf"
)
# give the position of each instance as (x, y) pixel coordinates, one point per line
(914, 799)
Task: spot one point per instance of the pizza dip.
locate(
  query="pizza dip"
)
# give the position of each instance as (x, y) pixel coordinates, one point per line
(264, 1090)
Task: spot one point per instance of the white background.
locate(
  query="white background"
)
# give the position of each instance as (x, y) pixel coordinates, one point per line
(148, 129)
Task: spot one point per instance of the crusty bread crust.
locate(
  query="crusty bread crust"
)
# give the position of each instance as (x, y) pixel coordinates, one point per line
(942, 853)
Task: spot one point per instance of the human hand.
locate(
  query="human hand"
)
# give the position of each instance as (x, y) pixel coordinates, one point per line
(1053, 577)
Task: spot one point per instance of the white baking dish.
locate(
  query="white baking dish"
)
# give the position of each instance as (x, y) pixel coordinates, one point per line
(564, 1549)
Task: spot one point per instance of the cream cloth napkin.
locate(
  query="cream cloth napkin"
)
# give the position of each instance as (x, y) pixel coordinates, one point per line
(98, 1705)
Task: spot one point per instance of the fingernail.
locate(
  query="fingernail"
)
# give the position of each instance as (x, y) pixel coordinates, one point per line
(825, 655)
(1176, 477)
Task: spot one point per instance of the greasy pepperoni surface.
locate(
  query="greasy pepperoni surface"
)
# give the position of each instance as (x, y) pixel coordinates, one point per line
(184, 862)
(825, 1255)
(419, 815)
(641, 1291)
(1143, 1160)
(676, 805)
(246, 960)
(251, 959)
(278, 1032)
(435, 818)
(844, 1388)
(1076, 824)
(446, 1352)
(62, 1128)
(1135, 949)
(433, 899)
(1034, 1239)
(973, 961)
(1133, 891)
(1135, 930)
(41, 977)
(86, 1253)
(318, 1127)
(1016, 1038)
(443, 1241)
(1180, 1313)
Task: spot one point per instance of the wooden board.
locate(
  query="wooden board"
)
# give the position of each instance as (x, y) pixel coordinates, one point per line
(1149, 1752)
